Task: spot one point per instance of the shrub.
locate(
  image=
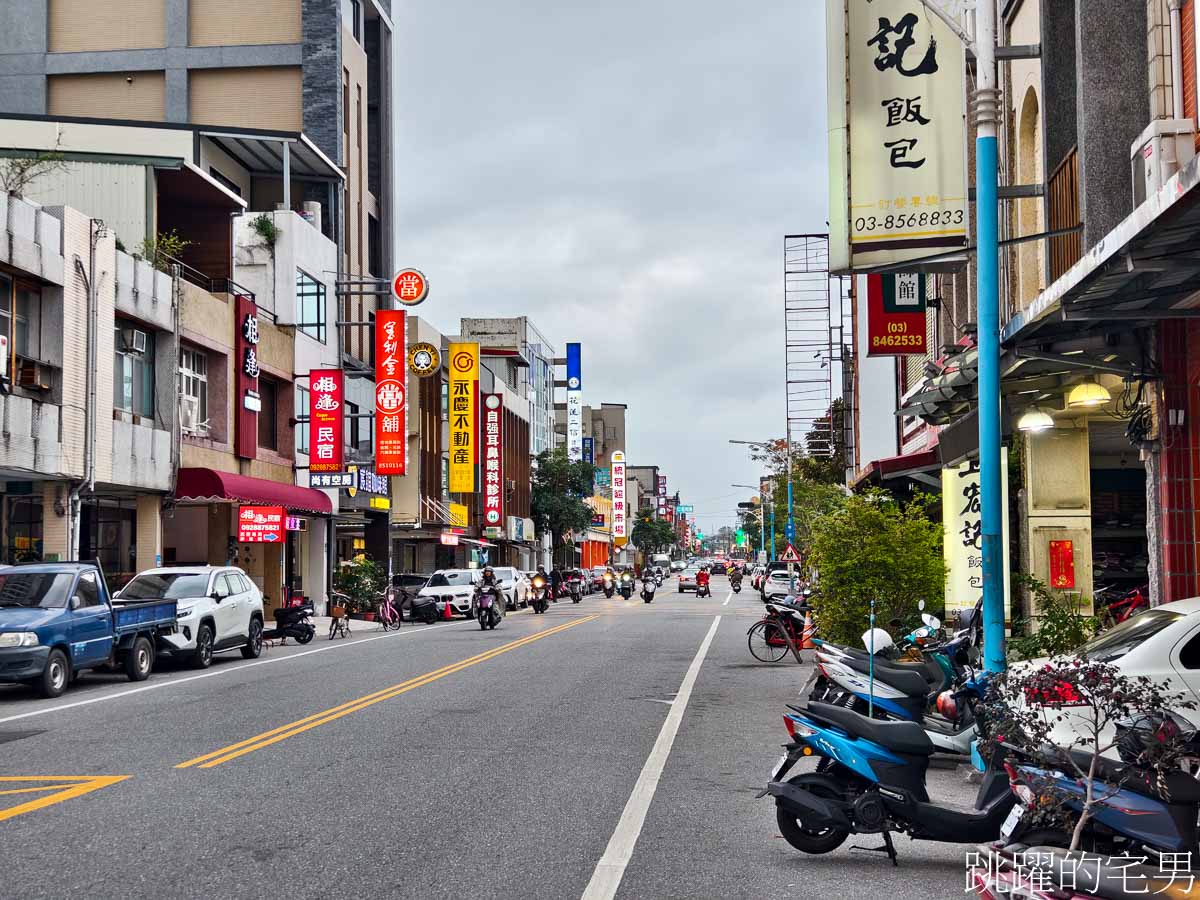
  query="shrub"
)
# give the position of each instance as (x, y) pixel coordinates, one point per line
(1059, 626)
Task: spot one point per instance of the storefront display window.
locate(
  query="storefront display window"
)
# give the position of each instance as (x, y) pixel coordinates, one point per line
(23, 529)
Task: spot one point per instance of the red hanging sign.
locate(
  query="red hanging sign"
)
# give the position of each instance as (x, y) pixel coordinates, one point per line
(246, 398)
(896, 314)
(326, 411)
(261, 524)
(391, 392)
(493, 460)
(1062, 565)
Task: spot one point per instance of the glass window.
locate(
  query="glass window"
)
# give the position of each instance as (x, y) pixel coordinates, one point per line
(310, 306)
(1118, 641)
(221, 586)
(301, 426)
(27, 322)
(351, 17)
(232, 583)
(87, 593)
(193, 387)
(445, 399)
(24, 530)
(36, 590)
(352, 421)
(133, 369)
(268, 432)
(166, 586)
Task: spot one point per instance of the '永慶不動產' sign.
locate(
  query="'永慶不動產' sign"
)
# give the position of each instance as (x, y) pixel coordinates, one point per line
(897, 134)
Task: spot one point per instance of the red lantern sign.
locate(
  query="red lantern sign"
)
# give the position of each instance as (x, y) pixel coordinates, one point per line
(410, 287)
(326, 412)
(261, 524)
(1062, 565)
(391, 393)
(493, 460)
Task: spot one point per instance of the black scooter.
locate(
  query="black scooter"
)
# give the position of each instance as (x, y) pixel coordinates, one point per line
(626, 585)
(292, 622)
(735, 581)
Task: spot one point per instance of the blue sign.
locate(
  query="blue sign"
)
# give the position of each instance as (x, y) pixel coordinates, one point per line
(790, 531)
(589, 450)
(574, 377)
(603, 476)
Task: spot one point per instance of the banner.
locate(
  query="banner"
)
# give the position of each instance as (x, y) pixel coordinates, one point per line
(896, 315)
(619, 510)
(247, 400)
(897, 134)
(574, 404)
(962, 541)
(589, 455)
(493, 460)
(326, 419)
(261, 524)
(463, 389)
(391, 392)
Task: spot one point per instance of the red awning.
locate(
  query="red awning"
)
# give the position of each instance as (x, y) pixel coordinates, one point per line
(927, 460)
(209, 485)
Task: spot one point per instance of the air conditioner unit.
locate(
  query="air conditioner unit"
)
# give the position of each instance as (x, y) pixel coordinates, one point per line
(133, 340)
(188, 413)
(32, 376)
(1165, 147)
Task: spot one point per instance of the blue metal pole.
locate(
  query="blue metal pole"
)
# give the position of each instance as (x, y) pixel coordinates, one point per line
(991, 491)
(772, 526)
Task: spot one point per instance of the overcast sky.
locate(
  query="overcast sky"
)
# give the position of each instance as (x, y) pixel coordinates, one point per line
(623, 173)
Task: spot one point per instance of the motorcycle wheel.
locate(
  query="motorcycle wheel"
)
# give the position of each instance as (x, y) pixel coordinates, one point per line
(307, 635)
(648, 599)
(816, 840)
(482, 623)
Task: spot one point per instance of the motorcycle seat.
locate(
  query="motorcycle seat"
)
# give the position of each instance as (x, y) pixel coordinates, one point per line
(903, 737)
(1175, 786)
(909, 681)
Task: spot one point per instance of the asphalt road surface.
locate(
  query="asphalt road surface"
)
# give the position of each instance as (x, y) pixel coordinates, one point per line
(608, 746)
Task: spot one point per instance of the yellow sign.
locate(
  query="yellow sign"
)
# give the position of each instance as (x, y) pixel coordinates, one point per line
(961, 543)
(463, 389)
(458, 515)
(380, 503)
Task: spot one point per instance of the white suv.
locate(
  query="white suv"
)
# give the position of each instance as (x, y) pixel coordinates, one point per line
(219, 609)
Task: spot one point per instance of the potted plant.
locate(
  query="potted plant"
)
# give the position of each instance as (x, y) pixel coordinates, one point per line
(362, 580)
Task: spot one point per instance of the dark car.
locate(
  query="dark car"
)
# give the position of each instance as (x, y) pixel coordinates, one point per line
(407, 585)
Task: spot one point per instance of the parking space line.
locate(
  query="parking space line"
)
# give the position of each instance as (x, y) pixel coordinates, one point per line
(275, 735)
(65, 787)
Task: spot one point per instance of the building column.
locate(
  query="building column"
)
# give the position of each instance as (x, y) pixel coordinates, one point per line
(56, 526)
(148, 546)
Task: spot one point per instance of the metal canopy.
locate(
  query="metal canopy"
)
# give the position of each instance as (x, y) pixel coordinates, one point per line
(262, 153)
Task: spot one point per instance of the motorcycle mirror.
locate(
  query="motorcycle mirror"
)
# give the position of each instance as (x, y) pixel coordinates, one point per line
(895, 623)
(921, 605)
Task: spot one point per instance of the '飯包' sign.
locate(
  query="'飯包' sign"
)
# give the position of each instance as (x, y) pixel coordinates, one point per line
(493, 460)
(261, 524)
(619, 508)
(325, 418)
(463, 388)
(391, 393)
(897, 134)
(896, 315)
(963, 542)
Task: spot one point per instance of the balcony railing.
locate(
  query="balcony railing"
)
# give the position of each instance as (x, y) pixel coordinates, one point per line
(212, 285)
(1065, 249)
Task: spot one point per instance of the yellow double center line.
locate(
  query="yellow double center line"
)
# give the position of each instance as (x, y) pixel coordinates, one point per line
(283, 732)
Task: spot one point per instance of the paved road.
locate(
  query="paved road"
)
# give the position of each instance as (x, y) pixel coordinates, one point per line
(437, 762)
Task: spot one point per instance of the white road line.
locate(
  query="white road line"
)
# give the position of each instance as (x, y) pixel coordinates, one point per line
(611, 868)
(727, 599)
(223, 671)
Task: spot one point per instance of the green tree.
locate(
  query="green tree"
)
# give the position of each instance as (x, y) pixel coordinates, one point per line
(651, 535)
(874, 548)
(557, 493)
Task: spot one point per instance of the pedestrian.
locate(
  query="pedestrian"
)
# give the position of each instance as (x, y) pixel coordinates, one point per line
(556, 580)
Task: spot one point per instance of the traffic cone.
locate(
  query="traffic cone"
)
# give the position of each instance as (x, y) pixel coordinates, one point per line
(806, 641)
(447, 611)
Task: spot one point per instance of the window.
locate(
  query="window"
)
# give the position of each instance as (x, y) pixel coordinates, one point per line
(87, 593)
(21, 317)
(133, 369)
(301, 426)
(352, 18)
(268, 433)
(225, 181)
(310, 306)
(352, 421)
(193, 388)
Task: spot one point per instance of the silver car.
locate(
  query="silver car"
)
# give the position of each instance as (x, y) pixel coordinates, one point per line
(687, 580)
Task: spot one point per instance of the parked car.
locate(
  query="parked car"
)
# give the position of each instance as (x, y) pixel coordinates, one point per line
(678, 565)
(687, 580)
(514, 586)
(220, 609)
(455, 585)
(756, 576)
(777, 584)
(57, 620)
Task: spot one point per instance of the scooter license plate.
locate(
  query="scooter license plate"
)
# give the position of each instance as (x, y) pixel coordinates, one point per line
(1010, 824)
(779, 767)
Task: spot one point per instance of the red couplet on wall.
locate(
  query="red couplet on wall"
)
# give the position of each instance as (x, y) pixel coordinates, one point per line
(391, 393)
(1062, 564)
(261, 524)
(326, 418)
(493, 460)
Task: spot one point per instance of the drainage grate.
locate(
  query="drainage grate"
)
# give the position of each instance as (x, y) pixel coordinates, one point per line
(10, 736)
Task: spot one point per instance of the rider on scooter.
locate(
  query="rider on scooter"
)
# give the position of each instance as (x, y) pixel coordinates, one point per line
(702, 582)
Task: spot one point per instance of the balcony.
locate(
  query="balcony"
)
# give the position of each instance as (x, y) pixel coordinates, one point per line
(30, 438)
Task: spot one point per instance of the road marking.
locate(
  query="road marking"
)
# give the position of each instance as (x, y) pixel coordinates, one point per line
(283, 732)
(223, 671)
(727, 599)
(66, 787)
(611, 868)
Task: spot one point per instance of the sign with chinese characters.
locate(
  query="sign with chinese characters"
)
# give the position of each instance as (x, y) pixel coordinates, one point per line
(896, 315)
(1062, 565)
(619, 508)
(458, 515)
(897, 126)
(574, 404)
(410, 287)
(661, 491)
(325, 419)
(603, 478)
(391, 393)
(493, 460)
(331, 479)
(248, 401)
(424, 359)
(261, 524)
(962, 541)
(294, 523)
(463, 389)
(589, 451)
(683, 508)
(370, 482)
(597, 520)
(449, 539)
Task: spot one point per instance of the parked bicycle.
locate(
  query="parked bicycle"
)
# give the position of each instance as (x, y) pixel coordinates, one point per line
(1117, 611)
(339, 615)
(780, 631)
(386, 611)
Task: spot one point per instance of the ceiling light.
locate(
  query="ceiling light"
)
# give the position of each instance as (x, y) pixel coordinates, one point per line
(1087, 394)
(1034, 419)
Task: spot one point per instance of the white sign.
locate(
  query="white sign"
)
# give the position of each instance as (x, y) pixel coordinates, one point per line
(574, 425)
(962, 542)
(897, 134)
(618, 497)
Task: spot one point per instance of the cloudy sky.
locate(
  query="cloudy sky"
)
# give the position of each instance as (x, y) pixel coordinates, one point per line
(623, 173)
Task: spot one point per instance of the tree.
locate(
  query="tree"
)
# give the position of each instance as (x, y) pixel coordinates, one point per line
(872, 548)
(651, 535)
(557, 493)
(18, 172)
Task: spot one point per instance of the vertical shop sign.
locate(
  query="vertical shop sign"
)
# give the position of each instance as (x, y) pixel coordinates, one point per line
(248, 401)
(326, 417)
(962, 543)
(620, 510)
(493, 460)
(391, 392)
(896, 315)
(589, 452)
(574, 404)
(464, 389)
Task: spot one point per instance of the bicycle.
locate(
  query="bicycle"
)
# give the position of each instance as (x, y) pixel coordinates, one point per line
(387, 613)
(339, 624)
(780, 631)
(1117, 611)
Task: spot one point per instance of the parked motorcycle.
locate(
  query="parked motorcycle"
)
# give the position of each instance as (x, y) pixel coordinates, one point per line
(487, 607)
(626, 587)
(537, 591)
(609, 587)
(648, 587)
(292, 622)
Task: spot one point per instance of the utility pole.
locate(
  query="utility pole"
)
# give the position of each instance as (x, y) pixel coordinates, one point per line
(988, 314)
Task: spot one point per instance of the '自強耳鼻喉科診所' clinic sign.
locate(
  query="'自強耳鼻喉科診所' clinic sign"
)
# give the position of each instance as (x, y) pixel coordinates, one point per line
(897, 135)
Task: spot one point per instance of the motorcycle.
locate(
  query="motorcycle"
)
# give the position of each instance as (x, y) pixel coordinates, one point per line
(487, 607)
(626, 588)
(703, 589)
(648, 587)
(608, 586)
(658, 579)
(292, 622)
(870, 779)
(735, 582)
(575, 589)
(538, 590)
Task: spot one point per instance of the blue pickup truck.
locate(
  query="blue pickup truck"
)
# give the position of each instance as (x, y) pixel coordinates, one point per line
(57, 619)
